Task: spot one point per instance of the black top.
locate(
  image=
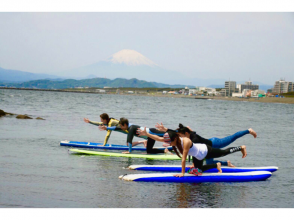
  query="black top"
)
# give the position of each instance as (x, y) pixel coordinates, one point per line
(196, 139)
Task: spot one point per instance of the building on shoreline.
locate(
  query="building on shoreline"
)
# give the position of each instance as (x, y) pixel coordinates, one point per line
(230, 87)
(247, 85)
(283, 86)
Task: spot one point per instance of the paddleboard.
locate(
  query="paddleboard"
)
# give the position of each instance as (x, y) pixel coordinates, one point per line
(146, 156)
(92, 145)
(176, 168)
(205, 177)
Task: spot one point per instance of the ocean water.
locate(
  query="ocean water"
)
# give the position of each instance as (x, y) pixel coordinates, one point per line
(35, 171)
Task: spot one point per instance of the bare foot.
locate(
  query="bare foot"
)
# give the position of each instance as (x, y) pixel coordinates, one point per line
(218, 167)
(135, 143)
(252, 132)
(125, 152)
(243, 150)
(230, 164)
(145, 144)
(167, 151)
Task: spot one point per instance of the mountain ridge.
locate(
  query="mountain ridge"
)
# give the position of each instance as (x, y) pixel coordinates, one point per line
(95, 82)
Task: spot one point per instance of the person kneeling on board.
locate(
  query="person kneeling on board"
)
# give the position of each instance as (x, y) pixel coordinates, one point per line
(183, 147)
(131, 131)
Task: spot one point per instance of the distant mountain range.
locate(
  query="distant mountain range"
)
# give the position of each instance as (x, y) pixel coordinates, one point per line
(122, 69)
(126, 64)
(17, 76)
(95, 82)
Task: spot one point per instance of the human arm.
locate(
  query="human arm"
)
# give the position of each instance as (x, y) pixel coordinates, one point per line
(93, 122)
(160, 127)
(131, 133)
(187, 143)
(152, 136)
(106, 137)
(104, 128)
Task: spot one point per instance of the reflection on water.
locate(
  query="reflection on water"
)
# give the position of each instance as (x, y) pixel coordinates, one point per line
(36, 172)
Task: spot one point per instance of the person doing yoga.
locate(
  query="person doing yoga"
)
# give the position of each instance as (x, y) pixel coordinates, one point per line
(213, 142)
(131, 131)
(183, 147)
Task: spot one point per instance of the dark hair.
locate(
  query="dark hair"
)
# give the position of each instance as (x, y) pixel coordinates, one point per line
(105, 116)
(124, 121)
(178, 148)
(183, 129)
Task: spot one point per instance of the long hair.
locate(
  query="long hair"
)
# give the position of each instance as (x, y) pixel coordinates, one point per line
(178, 148)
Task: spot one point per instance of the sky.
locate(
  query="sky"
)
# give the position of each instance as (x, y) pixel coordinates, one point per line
(225, 45)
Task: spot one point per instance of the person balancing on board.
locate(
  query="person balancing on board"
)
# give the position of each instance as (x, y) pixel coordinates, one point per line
(183, 147)
(213, 142)
(105, 120)
(131, 131)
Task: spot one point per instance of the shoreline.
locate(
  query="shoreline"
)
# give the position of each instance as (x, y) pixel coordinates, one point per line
(285, 100)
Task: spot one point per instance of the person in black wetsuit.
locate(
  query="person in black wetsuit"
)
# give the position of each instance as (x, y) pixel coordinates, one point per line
(131, 131)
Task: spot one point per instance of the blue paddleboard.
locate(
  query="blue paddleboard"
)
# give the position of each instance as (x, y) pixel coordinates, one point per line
(176, 168)
(205, 177)
(92, 145)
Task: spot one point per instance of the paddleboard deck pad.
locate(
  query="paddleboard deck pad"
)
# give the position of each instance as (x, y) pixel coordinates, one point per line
(205, 177)
(93, 145)
(146, 156)
(176, 168)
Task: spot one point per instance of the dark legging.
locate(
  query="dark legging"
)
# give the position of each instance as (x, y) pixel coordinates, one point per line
(150, 142)
(150, 149)
(213, 153)
(223, 142)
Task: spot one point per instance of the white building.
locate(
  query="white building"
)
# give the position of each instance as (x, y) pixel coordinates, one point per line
(283, 87)
(237, 94)
(200, 88)
(255, 93)
(192, 91)
(247, 85)
(130, 92)
(210, 91)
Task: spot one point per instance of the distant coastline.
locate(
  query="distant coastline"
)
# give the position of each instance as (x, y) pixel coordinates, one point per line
(151, 93)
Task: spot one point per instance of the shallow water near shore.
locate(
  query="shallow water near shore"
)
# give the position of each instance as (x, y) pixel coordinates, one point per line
(36, 172)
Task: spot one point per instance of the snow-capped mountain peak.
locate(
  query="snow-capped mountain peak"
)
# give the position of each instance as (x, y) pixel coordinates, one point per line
(130, 58)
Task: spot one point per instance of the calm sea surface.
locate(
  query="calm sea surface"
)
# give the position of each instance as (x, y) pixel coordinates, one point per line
(35, 171)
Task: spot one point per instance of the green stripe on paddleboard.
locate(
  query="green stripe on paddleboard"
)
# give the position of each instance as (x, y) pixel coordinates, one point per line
(147, 156)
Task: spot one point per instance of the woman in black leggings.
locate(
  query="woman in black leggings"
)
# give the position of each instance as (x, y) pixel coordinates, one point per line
(184, 147)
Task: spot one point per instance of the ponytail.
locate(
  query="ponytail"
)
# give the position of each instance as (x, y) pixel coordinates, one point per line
(183, 129)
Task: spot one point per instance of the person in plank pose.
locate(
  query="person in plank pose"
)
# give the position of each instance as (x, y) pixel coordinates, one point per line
(213, 142)
(131, 131)
(104, 120)
(183, 147)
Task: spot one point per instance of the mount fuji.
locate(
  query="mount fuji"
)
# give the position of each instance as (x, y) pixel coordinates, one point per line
(126, 64)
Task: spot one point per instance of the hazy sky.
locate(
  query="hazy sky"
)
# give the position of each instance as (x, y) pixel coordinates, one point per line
(239, 46)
